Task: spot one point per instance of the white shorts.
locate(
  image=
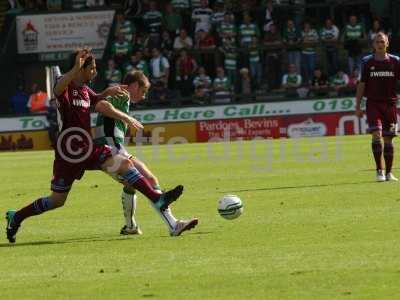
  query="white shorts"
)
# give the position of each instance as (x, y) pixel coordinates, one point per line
(125, 154)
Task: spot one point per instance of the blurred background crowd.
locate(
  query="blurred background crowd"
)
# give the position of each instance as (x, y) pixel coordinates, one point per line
(202, 52)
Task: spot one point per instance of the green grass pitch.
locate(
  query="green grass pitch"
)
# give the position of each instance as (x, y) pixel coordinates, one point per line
(315, 226)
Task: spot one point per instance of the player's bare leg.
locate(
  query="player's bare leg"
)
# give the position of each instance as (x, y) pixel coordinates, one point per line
(388, 154)
(175, 226)
(39, 206)
(377, 151)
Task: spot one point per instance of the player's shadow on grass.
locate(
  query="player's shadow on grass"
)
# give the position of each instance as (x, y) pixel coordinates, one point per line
(299, 186)
(373, 170)
(66, 241)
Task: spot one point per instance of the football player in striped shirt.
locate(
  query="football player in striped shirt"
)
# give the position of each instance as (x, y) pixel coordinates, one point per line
(112, 132)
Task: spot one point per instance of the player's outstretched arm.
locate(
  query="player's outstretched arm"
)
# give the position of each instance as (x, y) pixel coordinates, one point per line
(64, 81)
(113, 91)
(107, 109)
(359, 95)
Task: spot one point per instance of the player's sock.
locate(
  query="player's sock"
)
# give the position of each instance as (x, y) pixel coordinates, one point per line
(129, 206)
(377, 149)
(35, 208)
(166, 214)
(167, 217)
(388, 155)
(136, 180)
(157, 187)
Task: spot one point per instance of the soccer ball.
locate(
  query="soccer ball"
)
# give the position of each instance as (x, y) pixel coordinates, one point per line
(230, 207)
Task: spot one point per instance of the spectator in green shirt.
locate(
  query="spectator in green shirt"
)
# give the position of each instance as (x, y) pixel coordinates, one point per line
(330, 36)
(121, 49)
(126, 27)
(172, 21)
(247, 31)
(112, 74)
(222, 87)
(136, 62)
(353, 36)
(292, 39)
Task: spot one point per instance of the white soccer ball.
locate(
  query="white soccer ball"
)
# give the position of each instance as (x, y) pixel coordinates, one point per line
(230, 207)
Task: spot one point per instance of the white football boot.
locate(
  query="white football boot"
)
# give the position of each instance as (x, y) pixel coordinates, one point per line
(390, 177)
(183, 225)
(380, 176)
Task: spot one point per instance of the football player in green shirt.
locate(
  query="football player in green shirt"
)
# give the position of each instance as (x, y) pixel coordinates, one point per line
(112, 132)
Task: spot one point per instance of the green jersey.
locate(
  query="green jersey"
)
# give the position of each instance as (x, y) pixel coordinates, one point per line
(110, 131)
(354, 32)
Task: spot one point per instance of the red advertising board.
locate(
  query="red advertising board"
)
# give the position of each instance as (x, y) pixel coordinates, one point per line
(247, 128)
(328, 124)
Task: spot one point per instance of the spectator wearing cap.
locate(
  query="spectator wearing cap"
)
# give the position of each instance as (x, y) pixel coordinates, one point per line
(202, 17)
(330, 36)
(183, 41)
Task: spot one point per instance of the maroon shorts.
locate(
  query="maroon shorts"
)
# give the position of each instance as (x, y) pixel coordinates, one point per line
(382, 116)
(65, 172)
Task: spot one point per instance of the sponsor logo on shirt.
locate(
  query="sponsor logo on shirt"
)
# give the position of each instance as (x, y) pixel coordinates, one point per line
(80, 103)
(381, 74)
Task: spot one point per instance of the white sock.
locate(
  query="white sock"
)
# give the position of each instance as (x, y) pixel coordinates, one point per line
(129, 207)
(167, 217)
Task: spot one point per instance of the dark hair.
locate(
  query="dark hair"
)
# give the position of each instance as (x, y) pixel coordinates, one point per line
(72, 59)
(136, 76)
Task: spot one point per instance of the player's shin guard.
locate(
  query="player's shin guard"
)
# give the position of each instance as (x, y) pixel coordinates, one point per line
(388, 151)
(37, 207)
(377, 149)
(129, 207)
(137, 181)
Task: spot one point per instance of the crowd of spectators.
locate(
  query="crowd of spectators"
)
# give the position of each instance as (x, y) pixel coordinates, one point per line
(220, 51)
(206, 52)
